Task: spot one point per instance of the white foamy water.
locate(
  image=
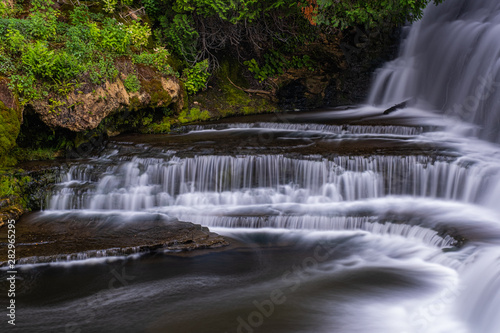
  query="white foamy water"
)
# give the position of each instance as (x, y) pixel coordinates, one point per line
(405, 241)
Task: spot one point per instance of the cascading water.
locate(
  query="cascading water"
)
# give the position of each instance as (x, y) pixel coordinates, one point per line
(384, 224)
(450, 64)
(224, 180)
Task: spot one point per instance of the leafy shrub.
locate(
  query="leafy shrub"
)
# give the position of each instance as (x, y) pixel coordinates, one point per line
(6, 64)
(181, 34)
(114, 38)
(157, 60)
(5, 9)
(79, 42)
(39, 60)
(80, 15)
(342, 14)
(14, 185)
(103, 70)
(195, 78)
(151, 6)
(41, 5)
(302, 62)
(132, 83)
(274, 64)
(24, 86)
(163, 127)
(24, 26)
(42, 26)
(15, 40)
(49, 64)
(109, 5)
(139, 33)
(43, 19)
(93, 33)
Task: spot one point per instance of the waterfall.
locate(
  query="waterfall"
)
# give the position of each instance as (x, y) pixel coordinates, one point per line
(145, 183)
(449, 63)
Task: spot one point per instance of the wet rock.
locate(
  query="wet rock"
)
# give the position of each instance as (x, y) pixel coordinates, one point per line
(9, 210)
(396, 107)
(48, 239)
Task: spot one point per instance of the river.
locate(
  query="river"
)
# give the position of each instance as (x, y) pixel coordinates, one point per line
(343, 220)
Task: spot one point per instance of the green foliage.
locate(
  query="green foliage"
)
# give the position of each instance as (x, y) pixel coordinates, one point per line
(113, 37)
(302, 62)
(9, 128)
(6, 64)
(13, 185)
(27, 154)
(5, 10)
(139, 33)
(109, 5)
(132, 83)
(49, 64)
(41, 5)
(24, 86)
(181, 34)
(195, 114)
(24, 26)
(80, 15)
(15, 40)
(43, 25)
(342, 14)
(163, 127)
(80, 44)
(152, 7)
(103, 70)
(43, 20)
(275, 63)
(159, 60)
(195, 78)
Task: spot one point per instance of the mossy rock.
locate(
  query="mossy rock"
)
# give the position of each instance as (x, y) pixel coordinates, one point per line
(154, 88)
(10, 125)
(227, 97)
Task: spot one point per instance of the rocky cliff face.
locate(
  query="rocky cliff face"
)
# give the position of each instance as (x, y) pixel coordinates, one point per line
(345, 63)
(82, 110)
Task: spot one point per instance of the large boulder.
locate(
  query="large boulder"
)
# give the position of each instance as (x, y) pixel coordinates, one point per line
(82, 110)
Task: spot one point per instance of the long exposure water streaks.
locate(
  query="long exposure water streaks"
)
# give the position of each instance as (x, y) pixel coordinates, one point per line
(344, 220)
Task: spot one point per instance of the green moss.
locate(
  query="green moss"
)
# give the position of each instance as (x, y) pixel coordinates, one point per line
(175, 63)
(9, 130)
(38, 154)
(225, 99)
(135, 103)
(162, 127)
(159, 96)
(13, 186)
(247, 110)
(194, 114)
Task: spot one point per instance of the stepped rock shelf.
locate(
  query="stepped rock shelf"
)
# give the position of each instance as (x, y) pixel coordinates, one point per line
(124, 202)
(68, 238)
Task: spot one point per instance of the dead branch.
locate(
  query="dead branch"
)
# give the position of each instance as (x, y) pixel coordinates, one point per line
(250, 91)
